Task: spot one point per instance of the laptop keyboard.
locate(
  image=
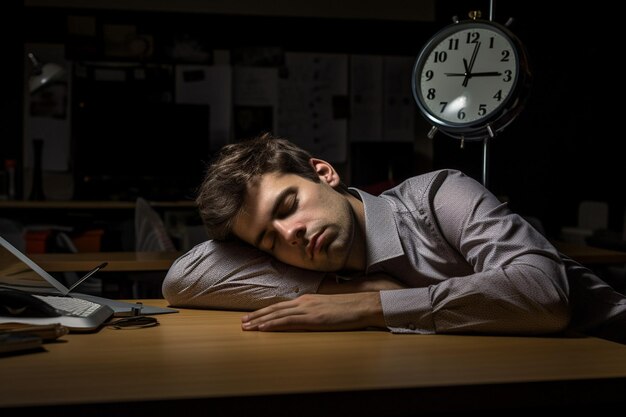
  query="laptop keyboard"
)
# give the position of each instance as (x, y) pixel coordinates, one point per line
(70, 306)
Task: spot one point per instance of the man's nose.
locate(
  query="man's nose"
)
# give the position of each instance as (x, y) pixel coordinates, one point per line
(292, 232)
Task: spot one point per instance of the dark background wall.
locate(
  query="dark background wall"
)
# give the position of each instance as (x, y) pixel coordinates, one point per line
(248, 38)
(564, 147)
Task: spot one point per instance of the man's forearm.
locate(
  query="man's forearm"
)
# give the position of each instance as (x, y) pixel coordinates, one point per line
(234, 276)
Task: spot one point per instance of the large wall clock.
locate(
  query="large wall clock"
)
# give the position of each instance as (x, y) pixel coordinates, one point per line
(471, 79)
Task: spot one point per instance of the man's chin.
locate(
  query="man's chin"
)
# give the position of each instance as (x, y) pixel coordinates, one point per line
(330, 264)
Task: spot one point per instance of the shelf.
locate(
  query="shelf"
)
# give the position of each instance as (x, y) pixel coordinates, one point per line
(97, 205)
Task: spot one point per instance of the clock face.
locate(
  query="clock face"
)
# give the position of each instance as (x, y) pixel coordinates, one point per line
(466, 75)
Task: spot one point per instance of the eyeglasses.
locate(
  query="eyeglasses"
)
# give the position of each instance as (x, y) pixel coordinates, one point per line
(134, 322)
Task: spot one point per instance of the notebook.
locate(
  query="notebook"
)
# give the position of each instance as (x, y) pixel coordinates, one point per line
(18, 271)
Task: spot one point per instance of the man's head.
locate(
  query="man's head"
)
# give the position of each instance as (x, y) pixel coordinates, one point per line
(275, 196)
(237, 165)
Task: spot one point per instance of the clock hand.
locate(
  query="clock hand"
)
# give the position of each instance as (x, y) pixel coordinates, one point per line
(459, 74)
(469, 67)
(474, 74)
(473, 59)
(486, 74)
(465, 66)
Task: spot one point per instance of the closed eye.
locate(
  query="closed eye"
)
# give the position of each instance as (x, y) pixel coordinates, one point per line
(285, 204)
(287, 207)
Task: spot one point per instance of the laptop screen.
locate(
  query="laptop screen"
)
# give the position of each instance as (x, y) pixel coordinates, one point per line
(18, 271)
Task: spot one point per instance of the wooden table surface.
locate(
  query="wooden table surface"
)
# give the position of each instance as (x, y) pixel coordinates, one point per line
(202, 360)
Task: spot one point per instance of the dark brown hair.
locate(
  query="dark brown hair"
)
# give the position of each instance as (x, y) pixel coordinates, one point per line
(223, 190)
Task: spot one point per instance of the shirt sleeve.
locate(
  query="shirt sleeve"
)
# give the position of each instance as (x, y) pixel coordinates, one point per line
(234, 276)
(518, 285)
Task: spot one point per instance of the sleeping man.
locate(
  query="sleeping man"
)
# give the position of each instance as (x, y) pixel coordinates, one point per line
(296, 249)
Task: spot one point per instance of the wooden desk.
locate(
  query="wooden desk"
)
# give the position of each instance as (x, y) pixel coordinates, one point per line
(590, 255)
(118, 261)
(201, 360)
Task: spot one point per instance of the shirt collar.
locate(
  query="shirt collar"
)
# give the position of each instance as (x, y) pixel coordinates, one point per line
(382, 241)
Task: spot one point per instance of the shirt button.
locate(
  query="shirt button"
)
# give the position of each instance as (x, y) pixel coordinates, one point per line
(410, 326)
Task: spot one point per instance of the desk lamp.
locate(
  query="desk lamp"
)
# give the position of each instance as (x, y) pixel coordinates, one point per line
(43, 74)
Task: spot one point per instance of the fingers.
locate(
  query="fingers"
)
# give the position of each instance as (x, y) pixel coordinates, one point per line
(274, 317)
(276, 324)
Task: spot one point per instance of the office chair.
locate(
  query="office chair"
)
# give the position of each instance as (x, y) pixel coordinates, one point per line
(151, 235)
(150, 232)
(592, 216)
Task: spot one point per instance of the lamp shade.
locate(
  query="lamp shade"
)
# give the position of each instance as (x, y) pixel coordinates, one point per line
(43, 74)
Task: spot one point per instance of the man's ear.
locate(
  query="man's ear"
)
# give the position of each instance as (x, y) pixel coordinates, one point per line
(326, 172)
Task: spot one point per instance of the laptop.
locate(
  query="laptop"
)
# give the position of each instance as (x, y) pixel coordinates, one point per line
(19, 273)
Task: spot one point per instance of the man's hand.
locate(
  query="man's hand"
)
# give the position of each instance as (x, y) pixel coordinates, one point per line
(319, 312)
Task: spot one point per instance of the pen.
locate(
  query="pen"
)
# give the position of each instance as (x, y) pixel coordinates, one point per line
(87, 275)
(44, 331)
